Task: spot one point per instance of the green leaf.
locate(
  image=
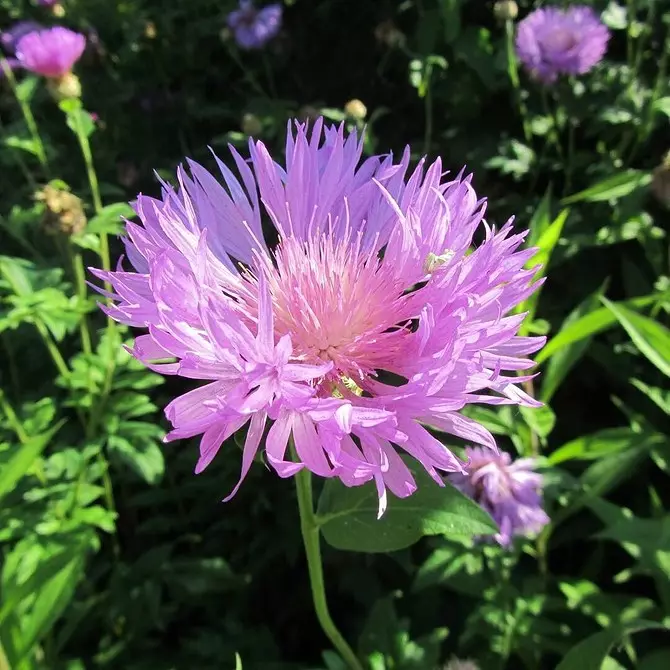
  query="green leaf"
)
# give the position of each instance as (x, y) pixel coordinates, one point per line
(143, 456)
(77, 118)
(618, 186)
(348, 515)
(591, 652)
(109, 220)
(589, 325)
(541, 420)
(649, 336)
(662, 105)
(563, 360)
(658, 396)
(603, 443)
(51, 600)
(23, 458)
(26, 88)
(657, 660)
(546, 243)
(540, 221)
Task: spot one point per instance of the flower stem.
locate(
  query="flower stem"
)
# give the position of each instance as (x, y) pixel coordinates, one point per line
(310, 534)
(80, 279)
(513, 72)
(12, 419)
(27, 114)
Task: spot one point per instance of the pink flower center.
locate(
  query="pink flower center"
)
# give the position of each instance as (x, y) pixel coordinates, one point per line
(339, 304)
(560, 39)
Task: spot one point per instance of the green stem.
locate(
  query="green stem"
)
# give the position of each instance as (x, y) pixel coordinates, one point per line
(310, 535)
(551, 111)
(27, 113)
(56, 355)
(428, 107)
(12, 418)
(80, 278)
(21, 164)
(513, 72)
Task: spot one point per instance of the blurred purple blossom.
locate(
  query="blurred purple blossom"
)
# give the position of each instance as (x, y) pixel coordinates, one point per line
(9, 38)
(552, 41)
(254, 28)
(51, 52)
(509, 491)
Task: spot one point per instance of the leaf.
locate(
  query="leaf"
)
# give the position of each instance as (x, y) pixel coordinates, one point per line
(348, 515)
(658, 396)
(650, 337)
(591, 652)
(109, 220)
(14, 594)
(51, 600)
(22, 459)
(545, 247)
(603, 443)
(618, 186)
(656, 660)
(78, 119)
(589, 325)
(541, 220)
(143, 456)
(540, 420)
(563, 360)
(662, 105)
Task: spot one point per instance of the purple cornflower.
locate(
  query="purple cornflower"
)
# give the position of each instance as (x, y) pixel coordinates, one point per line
(509, 492)
(50, 52)
(10, 38)
(254, 28)
(374, 273)
(552, 41)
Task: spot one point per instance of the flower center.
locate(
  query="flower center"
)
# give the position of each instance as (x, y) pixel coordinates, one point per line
(340, 304)
(560, 39)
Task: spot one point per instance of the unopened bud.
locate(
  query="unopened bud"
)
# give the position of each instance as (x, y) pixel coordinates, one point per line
(461, 664)
(356, 109)
(150, 30)
(58, 10)
(660, 181)
(251, 125)
(505, 10)
(387, 34)
(308, 113)
(63, 211)
(66, 87)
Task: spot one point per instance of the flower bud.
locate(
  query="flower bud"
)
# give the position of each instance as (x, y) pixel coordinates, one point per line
(356, 109)
(63, 212)
(251, 125)
(66, 87)
(150, 30)
(58, 10)
(660, 181)
(506, 10)
(308, 113)
(387, 34)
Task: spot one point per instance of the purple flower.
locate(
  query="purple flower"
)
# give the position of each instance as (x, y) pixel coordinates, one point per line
(9, 38)
(48, 3)
(551, 41)
(51, 52)
(374, 273)
(509, 492)
(254, 28)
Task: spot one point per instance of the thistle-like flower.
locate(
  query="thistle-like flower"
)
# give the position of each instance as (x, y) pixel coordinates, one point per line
(509, 492)
(254, 28)
(552, 41)
(51, 52)
(372, 317)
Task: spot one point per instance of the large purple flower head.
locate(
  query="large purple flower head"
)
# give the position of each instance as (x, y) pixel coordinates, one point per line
(254, 28)
(9, 38)
(552, 41)
(371, 317)
(51, 52)
(509, 492)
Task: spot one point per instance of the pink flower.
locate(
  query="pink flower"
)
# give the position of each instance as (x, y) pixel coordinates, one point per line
(51, 52)
(374, 277)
